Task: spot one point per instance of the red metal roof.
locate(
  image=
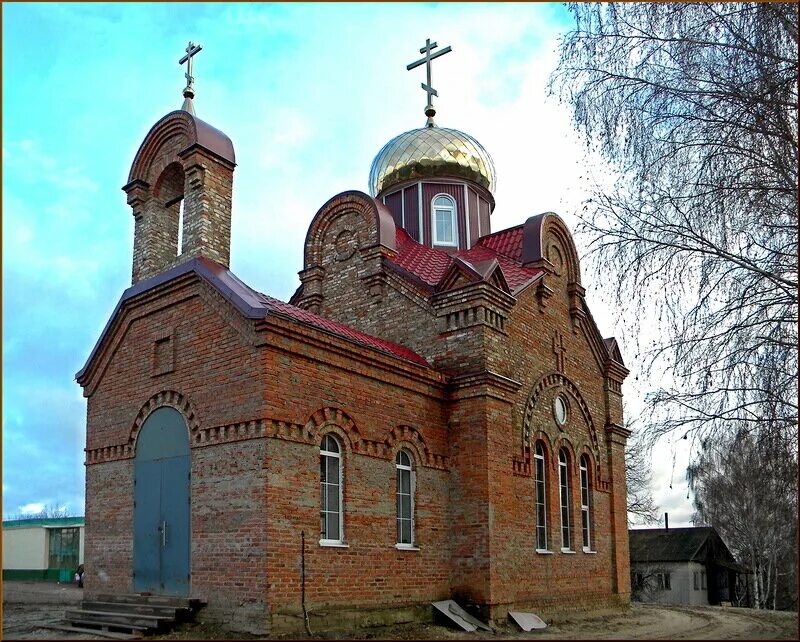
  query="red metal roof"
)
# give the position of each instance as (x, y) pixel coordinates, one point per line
(425, 263)
(506, 242)
(257, 301)
(341, 329)
(430, 264)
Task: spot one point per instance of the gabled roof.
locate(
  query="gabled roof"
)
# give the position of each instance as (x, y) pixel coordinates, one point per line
(253, 305)
(667, 545)
(690, 544)
(433, 266)
(613, 349)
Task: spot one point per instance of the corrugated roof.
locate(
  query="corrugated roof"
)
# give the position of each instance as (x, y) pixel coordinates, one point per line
(427, 264)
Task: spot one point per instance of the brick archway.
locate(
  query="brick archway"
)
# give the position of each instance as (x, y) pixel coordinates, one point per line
(555, 379)
(172, 399)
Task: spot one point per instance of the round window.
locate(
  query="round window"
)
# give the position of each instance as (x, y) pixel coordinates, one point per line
(560, 410)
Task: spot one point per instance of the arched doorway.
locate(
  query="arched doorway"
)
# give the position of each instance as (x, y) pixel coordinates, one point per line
(161, 527)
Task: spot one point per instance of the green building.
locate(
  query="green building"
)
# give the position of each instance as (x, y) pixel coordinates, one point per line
(42, 548)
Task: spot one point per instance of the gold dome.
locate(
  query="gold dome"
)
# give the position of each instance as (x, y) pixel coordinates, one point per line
(430, 152)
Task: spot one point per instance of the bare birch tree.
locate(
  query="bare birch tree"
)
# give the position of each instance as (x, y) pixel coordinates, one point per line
(49, 511)
(642, 508)
(696, 107)
(745, 487)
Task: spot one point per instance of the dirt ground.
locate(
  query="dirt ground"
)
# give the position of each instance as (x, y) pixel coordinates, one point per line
(28, 607)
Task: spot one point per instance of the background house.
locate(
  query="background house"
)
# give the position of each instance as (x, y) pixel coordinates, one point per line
(42, 548)
(683, 566)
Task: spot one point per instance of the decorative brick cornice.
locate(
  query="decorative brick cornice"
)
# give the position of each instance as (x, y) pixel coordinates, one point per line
(308, 433)
(521, 467)
(577, 312)
(615, 375)
(471, 295)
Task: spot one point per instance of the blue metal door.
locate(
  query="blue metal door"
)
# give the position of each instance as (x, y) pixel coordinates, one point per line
(161, 527)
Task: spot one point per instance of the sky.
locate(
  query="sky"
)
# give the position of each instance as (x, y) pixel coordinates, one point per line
(308, 94)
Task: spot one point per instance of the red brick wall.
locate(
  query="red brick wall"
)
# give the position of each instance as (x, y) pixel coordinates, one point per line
(527, 356)
(162, 173)
(252, 494)
(259, 396)
(216, 373)
(494, 541)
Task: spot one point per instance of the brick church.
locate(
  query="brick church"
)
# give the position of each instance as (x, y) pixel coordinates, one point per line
(434, 414)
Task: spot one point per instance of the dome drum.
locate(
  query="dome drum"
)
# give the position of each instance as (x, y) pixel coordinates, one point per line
(431, 164)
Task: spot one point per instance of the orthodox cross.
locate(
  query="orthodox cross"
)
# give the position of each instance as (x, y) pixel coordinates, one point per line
(559, 350)
(188, 92)
(429, 46)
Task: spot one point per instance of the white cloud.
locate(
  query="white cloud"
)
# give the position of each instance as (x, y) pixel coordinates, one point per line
(31, 509)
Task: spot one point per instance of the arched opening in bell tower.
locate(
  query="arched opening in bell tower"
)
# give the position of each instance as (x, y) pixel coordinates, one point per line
(169, 197)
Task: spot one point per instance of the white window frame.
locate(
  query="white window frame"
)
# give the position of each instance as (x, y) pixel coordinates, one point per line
(563, 484)
(412, 479)
(323, 452)
(453, 219)
(540, 484)
(586, 502)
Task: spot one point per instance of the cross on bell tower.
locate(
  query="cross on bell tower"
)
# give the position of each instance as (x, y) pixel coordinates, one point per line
(430, 112)
(188, 91)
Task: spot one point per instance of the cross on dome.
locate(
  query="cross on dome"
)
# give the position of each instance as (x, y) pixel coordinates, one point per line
(430, 112)
(188, 91)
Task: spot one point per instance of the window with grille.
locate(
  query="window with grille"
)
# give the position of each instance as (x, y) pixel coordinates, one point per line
(64, 546)
(664, 581)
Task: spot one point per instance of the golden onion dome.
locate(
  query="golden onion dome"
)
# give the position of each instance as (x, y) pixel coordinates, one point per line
(431, 152)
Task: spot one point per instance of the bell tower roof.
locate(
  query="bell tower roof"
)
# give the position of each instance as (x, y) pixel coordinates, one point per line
(180, 190)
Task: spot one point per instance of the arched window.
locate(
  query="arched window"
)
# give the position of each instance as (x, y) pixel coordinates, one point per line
(445, 231)
(540, 472)
(330, 484)
(563, 493)
(406, 487)
(585, 505)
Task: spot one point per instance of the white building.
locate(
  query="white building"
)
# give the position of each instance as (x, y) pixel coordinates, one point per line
(42, 549)
(682, 566)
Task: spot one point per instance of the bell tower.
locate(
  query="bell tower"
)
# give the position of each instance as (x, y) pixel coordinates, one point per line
(181, 184)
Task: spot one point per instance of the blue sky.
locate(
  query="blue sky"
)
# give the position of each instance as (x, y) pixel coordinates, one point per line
(307, 93)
